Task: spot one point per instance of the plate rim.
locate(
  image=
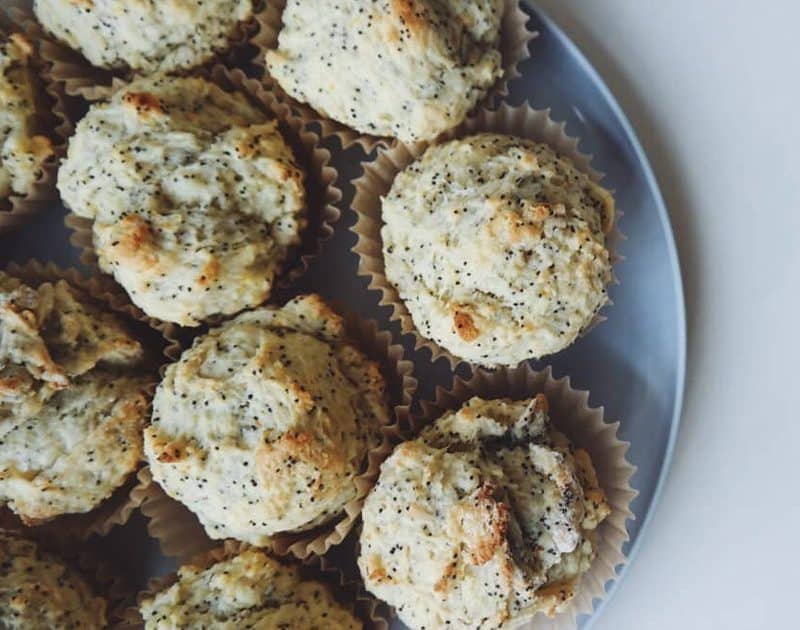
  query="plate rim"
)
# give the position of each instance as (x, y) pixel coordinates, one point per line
(680, 375)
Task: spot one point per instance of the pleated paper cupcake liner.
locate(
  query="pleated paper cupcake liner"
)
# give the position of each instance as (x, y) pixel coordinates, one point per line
(53, 122)
(164, 342)
(515, 42)
(180, 533)
(380, 173)
(322, 193)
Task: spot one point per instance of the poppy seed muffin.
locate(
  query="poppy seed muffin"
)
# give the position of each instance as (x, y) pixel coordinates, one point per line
(264, 423)
(51, 334)
(195, 196)
(72, 401)
(145, 36)
(409, 69)
(498, 513)
(497, 247)
(250, 590)
(39, 592)
(22, 150)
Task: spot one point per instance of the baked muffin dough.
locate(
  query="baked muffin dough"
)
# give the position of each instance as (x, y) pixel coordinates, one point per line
(39, 592)
(250, 590)
(409, 69)
(195, 196)
(144, 35)
(497, 246)
(80, 447)
(72, 401)
(262, 426)
(497, 514)
(22, 151)
(49, 335)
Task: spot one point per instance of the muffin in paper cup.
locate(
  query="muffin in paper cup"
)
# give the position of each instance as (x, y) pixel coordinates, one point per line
(380, 173)
(158, 338)
(321, 192)
(79, 78)
(320, 568)
(586, 429)
(179, 531)
(515, 39)
(100, 575)
(51, 123)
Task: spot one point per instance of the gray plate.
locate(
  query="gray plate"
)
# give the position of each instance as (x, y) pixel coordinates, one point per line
(633, 364)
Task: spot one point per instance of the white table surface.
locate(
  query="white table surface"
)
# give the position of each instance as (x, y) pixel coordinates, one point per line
(713, 89)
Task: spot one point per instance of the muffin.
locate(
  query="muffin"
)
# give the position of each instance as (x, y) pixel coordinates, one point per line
(195, 197)
(408, 69)
(145, 37)
(72, 401)
(23, 151)
(264, 424)
(250, 590)
(497, 247)
(498, 513)
(38, 591)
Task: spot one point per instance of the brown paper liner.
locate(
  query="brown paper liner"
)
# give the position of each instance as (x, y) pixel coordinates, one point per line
(515, 38)
(53, 121)
(586, 428)
(379, 174)
(180, 533)
(104, 580)
(345, 590)
(78, 77)
(322, 193)
(118, 508)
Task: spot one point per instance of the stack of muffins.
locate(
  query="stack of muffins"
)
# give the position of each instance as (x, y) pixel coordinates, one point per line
(198, 376)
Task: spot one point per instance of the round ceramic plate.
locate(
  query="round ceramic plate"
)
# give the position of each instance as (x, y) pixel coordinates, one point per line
(633, 364)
